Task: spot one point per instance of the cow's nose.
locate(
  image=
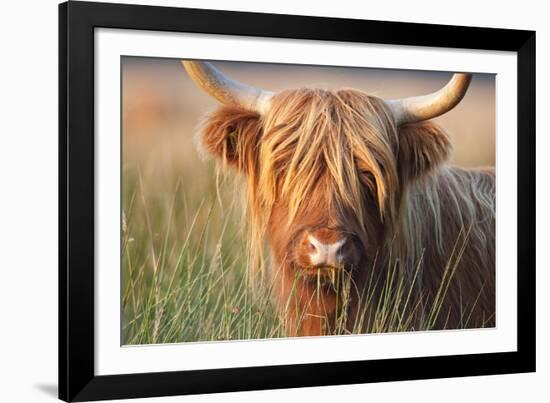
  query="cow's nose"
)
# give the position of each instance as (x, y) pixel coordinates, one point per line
(324, 253)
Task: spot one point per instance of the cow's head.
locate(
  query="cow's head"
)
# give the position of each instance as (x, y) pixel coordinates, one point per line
(325, 170)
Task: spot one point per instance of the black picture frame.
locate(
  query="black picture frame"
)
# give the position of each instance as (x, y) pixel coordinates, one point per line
(77, 21)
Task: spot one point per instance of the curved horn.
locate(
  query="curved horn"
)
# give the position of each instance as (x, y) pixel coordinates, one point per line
(226, 90)
(417, 109)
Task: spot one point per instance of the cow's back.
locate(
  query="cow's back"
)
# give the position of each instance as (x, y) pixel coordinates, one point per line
(450, 230)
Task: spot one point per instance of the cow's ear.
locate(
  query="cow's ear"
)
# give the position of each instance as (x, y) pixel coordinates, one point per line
(231, 135)
(422, 148)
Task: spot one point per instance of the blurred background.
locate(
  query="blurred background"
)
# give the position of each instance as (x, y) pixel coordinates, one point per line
(184, 266)
(162, 106)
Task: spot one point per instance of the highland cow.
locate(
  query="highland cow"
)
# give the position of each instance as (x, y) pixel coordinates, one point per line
(354, 195)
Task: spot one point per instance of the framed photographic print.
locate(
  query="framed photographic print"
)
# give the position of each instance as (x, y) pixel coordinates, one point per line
(257, 201)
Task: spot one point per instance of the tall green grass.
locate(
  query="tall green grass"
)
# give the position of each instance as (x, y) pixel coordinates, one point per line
(184, 266)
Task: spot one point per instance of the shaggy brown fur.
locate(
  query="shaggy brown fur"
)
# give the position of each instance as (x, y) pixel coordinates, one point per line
(336, 161)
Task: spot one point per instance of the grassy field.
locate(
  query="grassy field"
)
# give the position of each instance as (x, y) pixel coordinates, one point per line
(184, 265)
(185, 270)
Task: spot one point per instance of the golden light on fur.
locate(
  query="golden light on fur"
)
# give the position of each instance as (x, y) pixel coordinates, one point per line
(336, 159)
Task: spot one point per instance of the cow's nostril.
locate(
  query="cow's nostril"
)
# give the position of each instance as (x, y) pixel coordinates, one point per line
(312, 247)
